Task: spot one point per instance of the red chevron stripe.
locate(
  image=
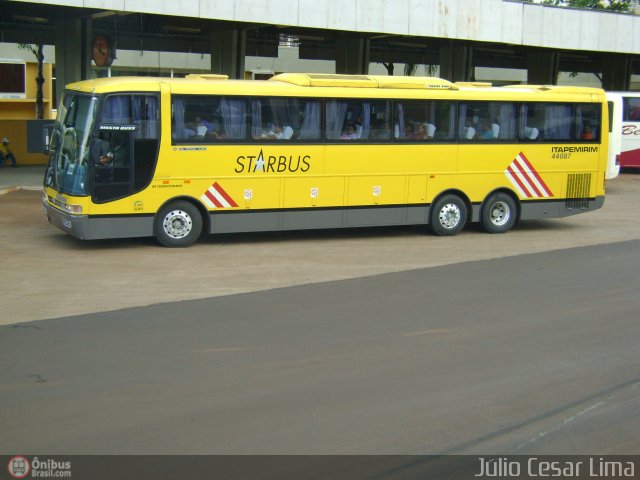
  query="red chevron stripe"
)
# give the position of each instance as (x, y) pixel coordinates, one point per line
(224, 194)
(535, 174)
(515, 178)
(522, 168)
(212, 197)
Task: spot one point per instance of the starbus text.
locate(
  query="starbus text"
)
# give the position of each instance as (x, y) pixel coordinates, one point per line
(272, 163)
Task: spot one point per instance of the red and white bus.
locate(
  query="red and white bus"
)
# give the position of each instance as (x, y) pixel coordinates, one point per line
(630, 127)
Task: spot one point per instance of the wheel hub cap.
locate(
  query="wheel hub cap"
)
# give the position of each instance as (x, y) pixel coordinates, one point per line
(177, 224)
(449, 216)
(500, 213)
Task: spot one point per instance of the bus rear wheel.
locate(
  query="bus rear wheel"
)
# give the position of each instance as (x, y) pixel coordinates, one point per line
(178, 224)
(499, 213)
(448, 215)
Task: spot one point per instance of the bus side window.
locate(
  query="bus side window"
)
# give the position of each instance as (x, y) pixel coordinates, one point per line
(588, 122)
(531, 120)
(504, 120)
(558, 122)
(206, 119)
(310, 127)
(631, 109)
(467, 122)
(336, 114)
(275, 119)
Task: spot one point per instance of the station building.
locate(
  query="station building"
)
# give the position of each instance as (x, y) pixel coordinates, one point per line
(502, 41)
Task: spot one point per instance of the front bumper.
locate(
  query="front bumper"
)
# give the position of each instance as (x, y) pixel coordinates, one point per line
(96, 227)
(75, 225)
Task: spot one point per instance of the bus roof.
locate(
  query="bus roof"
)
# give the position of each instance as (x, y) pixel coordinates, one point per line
(336, 85)
(362, 81)
(623, 93)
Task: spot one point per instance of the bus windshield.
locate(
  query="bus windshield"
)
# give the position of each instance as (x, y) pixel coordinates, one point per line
(69, 145)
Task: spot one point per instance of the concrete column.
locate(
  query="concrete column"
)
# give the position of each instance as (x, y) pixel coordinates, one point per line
(352, 54)
(616, 72)
(73, 51)
(228, 47)
(456, 61)
(543, 67)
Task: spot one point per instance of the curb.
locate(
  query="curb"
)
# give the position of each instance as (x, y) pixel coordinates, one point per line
(5, 190)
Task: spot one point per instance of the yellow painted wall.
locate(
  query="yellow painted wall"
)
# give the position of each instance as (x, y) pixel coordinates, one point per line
(15, 112)
(16, 132)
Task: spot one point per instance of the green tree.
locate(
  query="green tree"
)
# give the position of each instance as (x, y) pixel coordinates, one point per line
(611, 5)
(410, 69)
(389, 66)
(37, 50)
(431, 70)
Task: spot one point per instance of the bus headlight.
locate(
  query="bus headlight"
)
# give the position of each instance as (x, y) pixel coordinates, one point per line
(73, 208)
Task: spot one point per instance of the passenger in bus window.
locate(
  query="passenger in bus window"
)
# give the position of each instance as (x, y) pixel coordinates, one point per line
(277, 132)
(587, 133)
(198, 128)
(214, 131)
(409, 131)
(485, 130)
(349, 133)
(469, 131)
(202, 122)
(382, 131)
(421, 133)
(188, 130)
(283, 133)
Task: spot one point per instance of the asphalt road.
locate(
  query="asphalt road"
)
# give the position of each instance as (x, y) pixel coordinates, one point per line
(526, 354)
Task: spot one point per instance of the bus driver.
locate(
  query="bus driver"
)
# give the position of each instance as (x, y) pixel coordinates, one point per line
(117, 154)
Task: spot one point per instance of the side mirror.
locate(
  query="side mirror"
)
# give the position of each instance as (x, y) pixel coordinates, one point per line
(50, 139)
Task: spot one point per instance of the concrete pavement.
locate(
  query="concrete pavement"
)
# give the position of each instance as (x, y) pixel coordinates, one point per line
(48, 274)
(25, 177)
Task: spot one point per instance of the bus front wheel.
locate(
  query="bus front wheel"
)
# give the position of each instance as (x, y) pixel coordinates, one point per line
(448, 215)
(499, 213)
(178, 224)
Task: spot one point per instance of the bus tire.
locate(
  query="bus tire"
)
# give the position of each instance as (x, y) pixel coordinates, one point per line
(448, 215)
(178, 224)
(499, 213)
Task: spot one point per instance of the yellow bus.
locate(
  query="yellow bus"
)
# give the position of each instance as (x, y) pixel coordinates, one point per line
(173, 158)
